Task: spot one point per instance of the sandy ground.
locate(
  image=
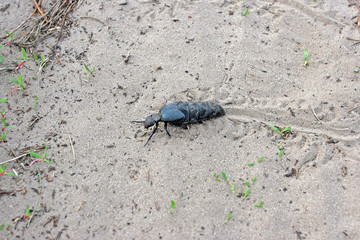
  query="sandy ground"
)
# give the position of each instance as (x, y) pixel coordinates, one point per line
(252, 65)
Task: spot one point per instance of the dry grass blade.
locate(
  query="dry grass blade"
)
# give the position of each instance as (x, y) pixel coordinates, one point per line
(46, 24)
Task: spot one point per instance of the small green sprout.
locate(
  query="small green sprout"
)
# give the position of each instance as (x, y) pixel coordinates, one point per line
(245, 13)
(39, 157)
(306, 56)
(3, 171)
(281, 148)
(246, 183)
(254, 179)
(287, 129)
(1, 57)
(260, 159)
(36, 101)
(37, 58)
(24, 59)
(172, 206)
(11, 36)
(251, 164)
(260, 204)
(228, 217)
(9, 41)
(224, 175)
(231, 185)
(90, 72)
(247, 191)
(232, 188)
(275, 129)
(181, 194)
(19, 84)
(3, 135)
(5, 126)
(3, 100)
(27, 213)
(217, 177)
(355, 70)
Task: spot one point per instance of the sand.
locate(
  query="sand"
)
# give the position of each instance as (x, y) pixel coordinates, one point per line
(150, 53)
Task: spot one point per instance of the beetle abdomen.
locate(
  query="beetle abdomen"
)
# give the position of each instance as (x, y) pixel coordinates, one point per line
(195, 111)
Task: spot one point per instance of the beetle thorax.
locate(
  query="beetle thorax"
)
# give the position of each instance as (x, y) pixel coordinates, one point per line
(152, 120)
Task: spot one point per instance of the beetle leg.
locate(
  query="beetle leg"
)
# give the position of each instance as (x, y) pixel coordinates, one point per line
(156, 126)
(167, 131)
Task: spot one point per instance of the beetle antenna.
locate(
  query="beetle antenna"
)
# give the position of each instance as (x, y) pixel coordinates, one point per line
(137, 121)
(156, 126)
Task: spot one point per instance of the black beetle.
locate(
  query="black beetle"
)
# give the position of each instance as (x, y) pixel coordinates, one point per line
(182, 113)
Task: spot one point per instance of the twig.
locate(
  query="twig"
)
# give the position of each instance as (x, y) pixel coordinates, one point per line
(38, 200)
(13, 159)
(40, 11)
(24, 154)
(42, 65)
(72, 147)
(63, 22)
(95, 19)
(36, 119)
(353, 109)
(315, 115)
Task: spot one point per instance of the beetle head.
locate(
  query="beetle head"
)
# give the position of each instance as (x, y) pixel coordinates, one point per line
(152, 120)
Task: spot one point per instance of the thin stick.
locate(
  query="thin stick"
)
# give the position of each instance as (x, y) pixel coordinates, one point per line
(38, 200)
(315, 115)
(14, 158)
(72, 147)
(40, 11)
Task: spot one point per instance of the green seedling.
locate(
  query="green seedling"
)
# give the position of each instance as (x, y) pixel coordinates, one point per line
(6, 226)
(228, 217)
(260, 159)
(39, 157)
(172, 206)
(2, 46)
(36, 101)
(260, 204)
(254, 179)
(111, 33)
(11, 37)
(3, 171)
(217, 177)
(247, 191)
(181, 194)
(245, 13)
(231, 185)
(306, 56)
(251, 164)
(1, 57)
(3, 100)
(3, 135)
(281, 148)
(232, 188)
(357, 69)
(90, 72)
(224, 175)
(24, 59)
(19, 84)
(246, 183)
(275, 129)
(287, 129)
(5, 125)
(27, 213)
(37, 58)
